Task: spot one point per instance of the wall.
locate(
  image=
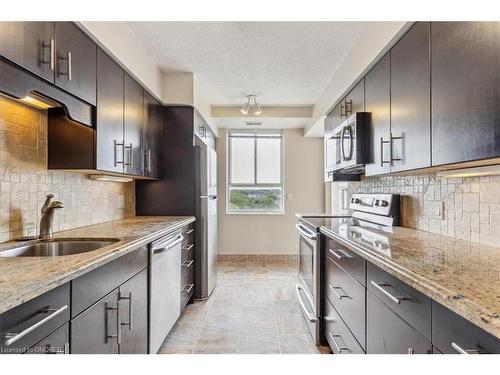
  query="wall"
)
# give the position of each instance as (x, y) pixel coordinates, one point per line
(274, 234)
(471, 205)
(25, 180)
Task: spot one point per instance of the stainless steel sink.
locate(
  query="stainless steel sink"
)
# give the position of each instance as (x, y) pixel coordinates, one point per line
(57, 247)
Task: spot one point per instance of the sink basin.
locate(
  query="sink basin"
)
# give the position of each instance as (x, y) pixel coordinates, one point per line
(57, 247)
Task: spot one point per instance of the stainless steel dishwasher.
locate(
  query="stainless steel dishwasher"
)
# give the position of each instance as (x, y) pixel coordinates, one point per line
(165, 284)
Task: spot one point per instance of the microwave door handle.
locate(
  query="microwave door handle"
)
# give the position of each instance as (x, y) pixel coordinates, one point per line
(342, 151)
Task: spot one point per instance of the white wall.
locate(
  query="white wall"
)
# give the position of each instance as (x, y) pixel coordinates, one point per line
(274, 234)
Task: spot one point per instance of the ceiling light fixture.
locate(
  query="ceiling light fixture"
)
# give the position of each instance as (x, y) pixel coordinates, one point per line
(251, 107)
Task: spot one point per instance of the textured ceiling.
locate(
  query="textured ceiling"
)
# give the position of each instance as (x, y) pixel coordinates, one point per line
(282, 62)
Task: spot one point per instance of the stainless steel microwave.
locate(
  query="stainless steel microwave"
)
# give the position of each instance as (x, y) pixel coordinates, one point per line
(347, 147)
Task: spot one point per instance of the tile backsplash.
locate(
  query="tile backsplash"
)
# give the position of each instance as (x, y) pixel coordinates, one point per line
(25, 180)
(464, 208)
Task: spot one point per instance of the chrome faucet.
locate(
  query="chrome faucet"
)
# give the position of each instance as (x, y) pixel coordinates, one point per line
(47, 219)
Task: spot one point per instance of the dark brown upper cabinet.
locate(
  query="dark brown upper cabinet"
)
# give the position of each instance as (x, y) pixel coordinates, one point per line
(56, 51)
(133, 126)
(109, 138)
(75, 62)
(355, 100)
(378, 103)
(410, 100)
(152, 138)
(30, 45)
(465, 91)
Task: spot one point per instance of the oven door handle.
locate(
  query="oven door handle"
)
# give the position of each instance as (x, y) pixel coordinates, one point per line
(303, 231)
(310, 316)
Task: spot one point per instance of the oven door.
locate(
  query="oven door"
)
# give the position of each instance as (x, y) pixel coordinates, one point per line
(308, 285)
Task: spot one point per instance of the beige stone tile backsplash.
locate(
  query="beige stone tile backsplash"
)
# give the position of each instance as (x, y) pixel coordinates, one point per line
(471, 205)
(25, 180)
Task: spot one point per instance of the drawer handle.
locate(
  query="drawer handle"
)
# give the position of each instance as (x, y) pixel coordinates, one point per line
(187, 288)
(464, 351)
(190, 231)
(339, 348)
(340, 254)
(130, 310)
(394, 299)
(339, 296)
(188, 264)
(12, 337)
(188, 248)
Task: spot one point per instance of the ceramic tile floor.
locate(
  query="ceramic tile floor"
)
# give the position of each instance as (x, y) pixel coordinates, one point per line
(252, 310)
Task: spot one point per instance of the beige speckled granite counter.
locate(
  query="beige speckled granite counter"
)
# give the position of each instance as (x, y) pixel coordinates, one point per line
(24, 278)
(461, 275)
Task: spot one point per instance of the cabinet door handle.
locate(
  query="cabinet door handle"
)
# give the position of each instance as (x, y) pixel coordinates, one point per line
(118, 310)
(382, 143)
(339, 296)
(464, 351)
(11, 337)
(69, 63)
(391, 151)
(149, 160)
(340, 254)
(130, 309)
(115, 144)
(380, 287)
(339, 348)
(52, 54)
(130, 155)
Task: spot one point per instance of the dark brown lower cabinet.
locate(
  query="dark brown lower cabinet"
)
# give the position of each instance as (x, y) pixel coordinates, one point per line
(337, 334)
(56, 343)
(387, 333)
(134, 309)
(117, 323)
(96, 330)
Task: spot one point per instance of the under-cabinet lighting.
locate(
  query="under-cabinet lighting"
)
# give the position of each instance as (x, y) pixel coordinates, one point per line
(37, 102)
(490, 170)
(105, 177)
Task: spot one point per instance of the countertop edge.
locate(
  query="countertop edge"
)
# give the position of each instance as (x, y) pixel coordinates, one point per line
(440, 293)
(128, 247)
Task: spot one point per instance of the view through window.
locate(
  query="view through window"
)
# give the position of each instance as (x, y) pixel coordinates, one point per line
(255, 167)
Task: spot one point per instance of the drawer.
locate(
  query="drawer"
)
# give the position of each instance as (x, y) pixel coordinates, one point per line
(387, 333)
(408, 303)
(348, 260)
(339, 338)
(36, 318)
(188, 234)
(55, 343)
(454, 334)
(187, 287)
(91, 287)
(348, 298)
(187, 252)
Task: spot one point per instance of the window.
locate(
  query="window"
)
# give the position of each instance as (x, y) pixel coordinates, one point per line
(255, 172)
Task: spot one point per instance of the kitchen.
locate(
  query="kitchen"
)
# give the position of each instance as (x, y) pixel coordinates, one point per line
(157, 199)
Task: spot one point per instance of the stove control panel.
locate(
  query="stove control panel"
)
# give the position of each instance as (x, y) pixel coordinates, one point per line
(376, 203)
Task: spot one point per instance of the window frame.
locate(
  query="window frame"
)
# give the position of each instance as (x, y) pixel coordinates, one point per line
(230, 185)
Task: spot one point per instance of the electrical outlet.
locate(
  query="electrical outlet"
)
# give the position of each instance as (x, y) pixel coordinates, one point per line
(120, 201)
(439, 210)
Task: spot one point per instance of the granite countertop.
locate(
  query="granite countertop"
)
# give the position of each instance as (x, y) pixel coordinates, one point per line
(461, 275)
(24, 278)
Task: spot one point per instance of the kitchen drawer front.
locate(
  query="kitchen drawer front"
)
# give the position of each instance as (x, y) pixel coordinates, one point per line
(187, 252)
(454, 334)
(55, 343)
(413, 306)
(187, 285)
(339, 338)
(387, 333)
(350, 262)
(188, 233)
(89, 288)
(36, 318)
(348, 298)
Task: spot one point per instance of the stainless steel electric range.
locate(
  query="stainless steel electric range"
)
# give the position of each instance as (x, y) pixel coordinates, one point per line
(371, 216)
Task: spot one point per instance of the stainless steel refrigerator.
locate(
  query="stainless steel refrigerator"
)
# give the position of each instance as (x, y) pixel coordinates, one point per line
(205, 256)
